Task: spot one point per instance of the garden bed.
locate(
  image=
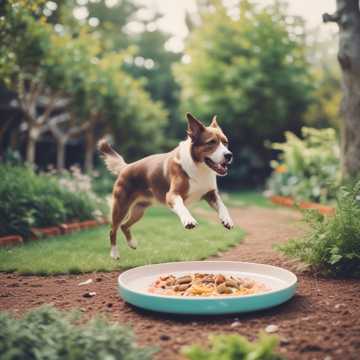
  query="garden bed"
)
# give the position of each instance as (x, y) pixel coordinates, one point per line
(291, 202)
(62, 229)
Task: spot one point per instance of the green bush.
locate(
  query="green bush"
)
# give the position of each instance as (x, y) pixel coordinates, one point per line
(235, 347)
(46, 333)
(30, 200)
(103, 181)
(332, 246)
(308, 168)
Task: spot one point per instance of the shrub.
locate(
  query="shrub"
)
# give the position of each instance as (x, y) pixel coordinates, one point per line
(47, 333)
(29, 200)
(332, 246)
(308, 168)
(235, 347)
(103, 181)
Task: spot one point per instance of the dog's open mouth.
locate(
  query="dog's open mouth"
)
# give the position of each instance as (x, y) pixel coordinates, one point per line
(219, 168)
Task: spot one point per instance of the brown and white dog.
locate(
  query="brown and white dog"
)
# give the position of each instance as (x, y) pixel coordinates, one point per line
(177, 178)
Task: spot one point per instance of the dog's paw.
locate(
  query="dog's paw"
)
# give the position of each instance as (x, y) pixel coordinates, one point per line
(114, 253)
(189, 222)
(227, 222)
(133, 244)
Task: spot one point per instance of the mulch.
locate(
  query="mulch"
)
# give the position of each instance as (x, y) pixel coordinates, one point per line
(322, 321)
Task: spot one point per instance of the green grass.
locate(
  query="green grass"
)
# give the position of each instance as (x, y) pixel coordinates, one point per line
(247, 198)
(160, 235)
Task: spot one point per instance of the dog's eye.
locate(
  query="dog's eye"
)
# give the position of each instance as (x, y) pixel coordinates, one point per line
(211, 142)
(225, 143)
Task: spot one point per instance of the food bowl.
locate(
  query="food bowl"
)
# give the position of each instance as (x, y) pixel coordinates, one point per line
(134, 287)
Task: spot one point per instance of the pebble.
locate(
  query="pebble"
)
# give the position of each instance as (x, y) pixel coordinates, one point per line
(284, 341)
(327, 357)
(271, 329)
(89, 294)
(235, 324)
(164, 337)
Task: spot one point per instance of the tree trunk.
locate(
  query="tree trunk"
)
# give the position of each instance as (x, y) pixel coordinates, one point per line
(348, 19)
(60, 154)
(89, 150)
(31, 145)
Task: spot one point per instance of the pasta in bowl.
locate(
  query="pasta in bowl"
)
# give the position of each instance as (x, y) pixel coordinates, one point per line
(205, 284)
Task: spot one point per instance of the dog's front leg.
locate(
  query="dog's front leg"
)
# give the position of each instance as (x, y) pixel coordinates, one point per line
(176, 204)
(214, 200)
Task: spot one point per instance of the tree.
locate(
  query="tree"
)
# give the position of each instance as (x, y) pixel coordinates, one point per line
(26, 68)
(66, 85)
(147, 60)
(248, 66)
(347, 17)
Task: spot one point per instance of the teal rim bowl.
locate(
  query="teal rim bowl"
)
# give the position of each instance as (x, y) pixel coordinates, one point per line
(134, 284)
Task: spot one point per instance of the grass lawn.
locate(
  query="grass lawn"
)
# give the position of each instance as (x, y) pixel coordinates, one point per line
(160, 236)
(246, 198)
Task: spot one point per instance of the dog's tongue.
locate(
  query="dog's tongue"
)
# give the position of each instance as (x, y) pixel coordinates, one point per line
(221, 168)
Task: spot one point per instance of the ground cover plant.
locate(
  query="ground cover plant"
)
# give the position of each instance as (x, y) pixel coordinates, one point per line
(160, 235)
(28, 199)
(332, 246)
(235, 347)
(308, 168)
(47, 333)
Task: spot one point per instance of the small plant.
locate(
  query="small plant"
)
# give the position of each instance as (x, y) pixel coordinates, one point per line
(47, 333)
(332, 246)
(308, 168)
(235, 347)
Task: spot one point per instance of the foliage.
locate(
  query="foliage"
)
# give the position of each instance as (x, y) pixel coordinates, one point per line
(46, 333)
(308, 168)
(148, 58)
(332, 246)
(30, 200)
(160, 235)
(40, 60)
(324, 109)
(247, 64)
(102, 180)
(235, 347)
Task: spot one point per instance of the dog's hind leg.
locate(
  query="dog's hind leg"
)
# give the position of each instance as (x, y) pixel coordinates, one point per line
(119, 212)
(136, 213)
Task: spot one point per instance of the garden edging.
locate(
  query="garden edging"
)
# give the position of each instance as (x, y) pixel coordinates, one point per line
(290, 202)
(62, 229)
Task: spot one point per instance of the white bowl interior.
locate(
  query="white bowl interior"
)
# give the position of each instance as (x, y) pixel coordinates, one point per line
(140, 279)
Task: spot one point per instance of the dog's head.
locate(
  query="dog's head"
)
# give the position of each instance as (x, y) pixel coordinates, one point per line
(209, 145)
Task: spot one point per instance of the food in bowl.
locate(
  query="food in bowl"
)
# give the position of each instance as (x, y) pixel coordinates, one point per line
(203, 284)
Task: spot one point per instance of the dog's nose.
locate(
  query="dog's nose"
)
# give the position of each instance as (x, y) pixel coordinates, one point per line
(228, 156)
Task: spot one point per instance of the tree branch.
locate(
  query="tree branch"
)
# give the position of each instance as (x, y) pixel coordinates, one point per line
(77, 130)
(50, 106)
(331, 18)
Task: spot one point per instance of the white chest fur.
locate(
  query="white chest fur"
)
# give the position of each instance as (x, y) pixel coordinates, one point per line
(201, 178)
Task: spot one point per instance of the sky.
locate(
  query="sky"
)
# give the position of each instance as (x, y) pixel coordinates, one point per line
(174, 13)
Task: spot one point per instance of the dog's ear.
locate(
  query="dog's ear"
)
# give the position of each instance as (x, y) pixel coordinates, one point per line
(195, 127)
(214, 122)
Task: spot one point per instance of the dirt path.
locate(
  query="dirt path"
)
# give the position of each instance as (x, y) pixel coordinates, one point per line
(321, 322)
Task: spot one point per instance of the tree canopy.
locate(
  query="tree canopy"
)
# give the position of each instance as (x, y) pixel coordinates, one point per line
(249, 68)
(46, 68)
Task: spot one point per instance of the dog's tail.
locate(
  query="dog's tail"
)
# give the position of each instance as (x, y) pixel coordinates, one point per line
(113, 161)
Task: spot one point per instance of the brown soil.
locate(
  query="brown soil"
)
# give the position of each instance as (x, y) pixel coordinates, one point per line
(321, 322)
